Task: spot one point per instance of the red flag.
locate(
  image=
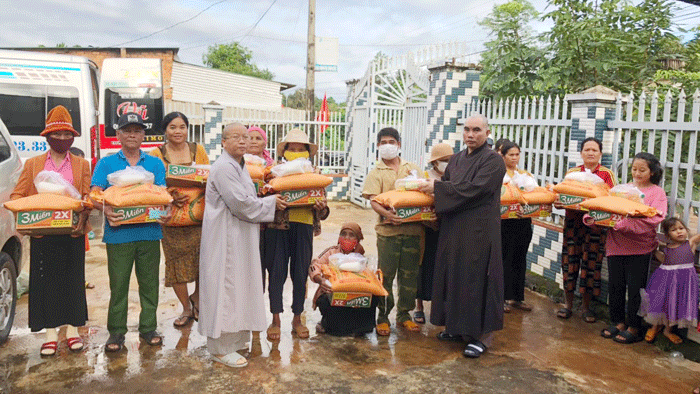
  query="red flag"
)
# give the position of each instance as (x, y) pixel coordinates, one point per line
(323, 114)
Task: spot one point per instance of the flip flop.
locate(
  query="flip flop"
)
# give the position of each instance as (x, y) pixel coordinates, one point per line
(444, 336)
(182, 320)
(588, 316)
(652, 333)
(564, 313)
(51, 347)
(75, 341)
(195, 309)
(520, 305)
(115, 343)
(628, 337)
(231, 360)
(410, 326)
(419, 317)
(675, 339)
(301, 331)
(273, 330)
(383, 329)
(609, 332)
(507, 308)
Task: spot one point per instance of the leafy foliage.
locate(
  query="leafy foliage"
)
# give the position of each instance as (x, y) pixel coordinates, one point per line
(234, 58)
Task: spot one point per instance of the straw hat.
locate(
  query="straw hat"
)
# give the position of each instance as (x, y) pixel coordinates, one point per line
(58, 119)
(440, 151)
(296, 135)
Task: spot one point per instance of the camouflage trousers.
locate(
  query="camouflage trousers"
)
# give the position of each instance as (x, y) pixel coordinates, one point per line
(399, 257)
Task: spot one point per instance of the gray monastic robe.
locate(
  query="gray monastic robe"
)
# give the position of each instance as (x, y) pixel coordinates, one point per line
(230, 290)
(468, 282)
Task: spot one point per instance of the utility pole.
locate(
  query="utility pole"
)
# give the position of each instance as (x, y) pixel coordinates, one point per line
(311, 67)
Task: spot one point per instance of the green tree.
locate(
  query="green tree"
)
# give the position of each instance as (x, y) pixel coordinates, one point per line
(298, 100)
(512, 59)
(608, 42)
(234, 58)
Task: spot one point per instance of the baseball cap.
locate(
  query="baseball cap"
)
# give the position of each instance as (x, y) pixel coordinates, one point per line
(130, 118)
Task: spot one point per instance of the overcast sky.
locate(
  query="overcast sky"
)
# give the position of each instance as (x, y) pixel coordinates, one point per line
(278, 41)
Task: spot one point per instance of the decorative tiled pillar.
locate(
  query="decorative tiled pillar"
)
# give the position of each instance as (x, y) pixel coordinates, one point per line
(213, 127)
(590, 111)
(452, 86)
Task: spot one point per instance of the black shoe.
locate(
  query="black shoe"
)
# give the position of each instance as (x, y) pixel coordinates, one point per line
(444, 336)
(474, 349)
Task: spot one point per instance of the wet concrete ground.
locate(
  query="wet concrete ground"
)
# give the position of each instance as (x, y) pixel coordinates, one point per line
(535, 353)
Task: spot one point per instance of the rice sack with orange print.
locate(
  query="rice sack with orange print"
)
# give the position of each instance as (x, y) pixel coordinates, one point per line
(580, 186)
(298, 183)
(256, 169)
(407, 202)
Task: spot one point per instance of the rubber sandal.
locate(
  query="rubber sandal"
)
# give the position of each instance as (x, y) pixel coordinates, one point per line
(507, 308)
(564, 313)
(115, 343)
(589, 317)
(320, 329)
(675, 339)
(51, 347)
(444, 336)
(696, 390)
(150, 336)
(383, 329)
(75, 341)
(419, 317)
(410, 326)
(651, 334)
(182, 320)
(609, 332)
(195, 309)
(628, 337)
(231, 360)
(273, 330)
(474, 350)
(301, 331)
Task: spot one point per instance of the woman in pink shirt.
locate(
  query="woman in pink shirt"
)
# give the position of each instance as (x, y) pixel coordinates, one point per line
(629, 247)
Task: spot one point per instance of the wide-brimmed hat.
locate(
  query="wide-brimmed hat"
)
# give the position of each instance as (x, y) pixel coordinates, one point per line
(59, 119)
(296, 135)
(440, 151)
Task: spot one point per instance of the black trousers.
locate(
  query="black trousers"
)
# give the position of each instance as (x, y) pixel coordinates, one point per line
(516, 235)
(426, 271)
(340, 320)
(627, 273)
(288, 251)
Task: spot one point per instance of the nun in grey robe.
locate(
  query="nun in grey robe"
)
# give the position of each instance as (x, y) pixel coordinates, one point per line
(231, 295)
(468, 281)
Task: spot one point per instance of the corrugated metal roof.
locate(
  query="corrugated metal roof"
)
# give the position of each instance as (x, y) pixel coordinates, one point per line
(197, 84)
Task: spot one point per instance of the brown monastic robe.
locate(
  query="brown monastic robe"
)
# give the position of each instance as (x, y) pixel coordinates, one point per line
(468, 283)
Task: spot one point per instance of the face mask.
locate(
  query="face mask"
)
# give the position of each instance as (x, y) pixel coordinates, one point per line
(60, 146)
(441, 166)
(347, 244)
(388, 151)
(296, 155)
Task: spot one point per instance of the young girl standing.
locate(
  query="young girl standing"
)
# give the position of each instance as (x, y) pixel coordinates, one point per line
(671, 298)
(628, 248)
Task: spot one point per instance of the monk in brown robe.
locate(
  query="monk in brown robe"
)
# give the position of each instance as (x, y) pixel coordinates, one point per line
(468, 282)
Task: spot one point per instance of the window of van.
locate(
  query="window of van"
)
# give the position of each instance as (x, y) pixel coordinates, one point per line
(5, 151)
(24, 107)
(144, 101)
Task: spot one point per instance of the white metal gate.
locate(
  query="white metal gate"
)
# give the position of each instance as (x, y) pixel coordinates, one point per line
(392, 93)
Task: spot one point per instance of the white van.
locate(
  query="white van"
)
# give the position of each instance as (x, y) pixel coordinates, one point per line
(32, 83)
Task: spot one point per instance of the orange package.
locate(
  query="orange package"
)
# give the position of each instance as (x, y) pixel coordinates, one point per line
(192, 213)
(404, 198)
(299, 182)
(45, 201)
(510, 194)
(620, 206)
(582, 189)
(136, 195)
(362, 282)
(539, 195)
(256, 171)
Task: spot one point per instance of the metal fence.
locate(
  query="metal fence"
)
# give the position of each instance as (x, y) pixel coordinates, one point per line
(330, 136)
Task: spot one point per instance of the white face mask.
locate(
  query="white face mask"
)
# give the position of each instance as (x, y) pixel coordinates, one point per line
(441, 165)
(388, 151)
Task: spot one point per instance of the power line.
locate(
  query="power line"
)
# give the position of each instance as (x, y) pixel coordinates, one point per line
(258, 21)
(171, 26)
